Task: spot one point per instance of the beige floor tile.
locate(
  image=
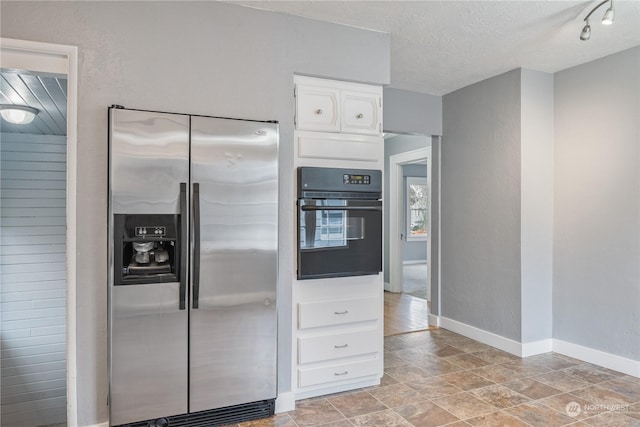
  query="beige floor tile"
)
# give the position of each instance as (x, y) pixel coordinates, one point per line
(598, 395)
(434, 387)
(626, 385)
(496, 373)
(278, 420)
(466, 380)
(406, 373)
(592, 373)
(553, 361)
(612, 419)
(562, 381)
(355, 404)
(495, 356)
(538, 415)
(496, 419)
(426, 414)
(341, 423)
(386, 418)
(396, 395)
(532, 388)
(467, 361)
(315, 412)
(499, 396)
(464, 405)
(526, 369)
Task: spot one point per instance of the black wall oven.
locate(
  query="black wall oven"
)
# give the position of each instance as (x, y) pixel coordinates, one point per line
(339, 222)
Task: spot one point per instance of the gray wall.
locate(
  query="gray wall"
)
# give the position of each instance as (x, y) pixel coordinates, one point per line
(480, 211)
(414, 250)
(396, 145)
(206, 58)
(32, 279)
(412, 112)
(596, 259)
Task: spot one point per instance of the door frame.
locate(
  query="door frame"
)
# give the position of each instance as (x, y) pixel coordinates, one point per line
(396, 214)
(59, 59)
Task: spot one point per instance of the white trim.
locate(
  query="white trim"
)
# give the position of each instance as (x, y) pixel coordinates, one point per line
(387, 286)
(536, 347)
(396, 191)
(434, 320)
(598, 357)
(485, 337)
(100, 425)
(59, 59)
(415, 261)
(586, 354)
(285, 402)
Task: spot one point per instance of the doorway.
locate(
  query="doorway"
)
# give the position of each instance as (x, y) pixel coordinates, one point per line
(38, 234)
(407, 233)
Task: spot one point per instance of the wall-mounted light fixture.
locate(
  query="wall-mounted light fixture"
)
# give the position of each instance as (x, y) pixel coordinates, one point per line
(607, 19)
(18, 114)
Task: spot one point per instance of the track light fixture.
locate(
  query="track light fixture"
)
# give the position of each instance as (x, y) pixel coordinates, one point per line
(607, 19)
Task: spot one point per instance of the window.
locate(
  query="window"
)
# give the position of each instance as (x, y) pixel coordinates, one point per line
(417, 204)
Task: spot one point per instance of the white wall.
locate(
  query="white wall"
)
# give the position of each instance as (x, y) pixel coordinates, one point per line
(207, 58)
(596, 244)
(536, 199)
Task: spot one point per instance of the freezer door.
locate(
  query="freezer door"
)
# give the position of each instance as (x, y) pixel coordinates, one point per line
(148, 353)
(149, 160)
(233, 304)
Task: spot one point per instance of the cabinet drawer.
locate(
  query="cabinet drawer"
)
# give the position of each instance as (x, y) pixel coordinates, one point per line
(361, 113)
(317, 108)
(337, 372)
(326, 347)
(336, 312)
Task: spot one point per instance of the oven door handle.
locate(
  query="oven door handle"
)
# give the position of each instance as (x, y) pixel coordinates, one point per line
(342, 208)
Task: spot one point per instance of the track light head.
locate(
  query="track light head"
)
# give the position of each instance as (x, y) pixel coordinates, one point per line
(586, 32)
(607, 19)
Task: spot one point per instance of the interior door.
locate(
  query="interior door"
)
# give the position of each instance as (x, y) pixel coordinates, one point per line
(234, 254)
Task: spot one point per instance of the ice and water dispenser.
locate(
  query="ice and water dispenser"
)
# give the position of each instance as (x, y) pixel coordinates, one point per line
(146, 249)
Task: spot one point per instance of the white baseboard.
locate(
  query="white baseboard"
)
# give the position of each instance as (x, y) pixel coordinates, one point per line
(387, 286)
(485, 337)
(586, 354)
(285, 402)
(536, 347)
(434, 320)
(415, 261)
(105, 424)
(597, 357)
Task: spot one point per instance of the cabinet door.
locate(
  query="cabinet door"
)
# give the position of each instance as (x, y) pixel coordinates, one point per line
(361, 112)
(317, 108)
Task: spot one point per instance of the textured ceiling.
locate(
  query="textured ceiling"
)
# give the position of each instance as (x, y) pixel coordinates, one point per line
(440, 46)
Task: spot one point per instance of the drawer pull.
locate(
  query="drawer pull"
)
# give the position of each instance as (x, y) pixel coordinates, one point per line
(318, 111)
(359, 116)
(341, 312)
(341, 346)
(339, 374)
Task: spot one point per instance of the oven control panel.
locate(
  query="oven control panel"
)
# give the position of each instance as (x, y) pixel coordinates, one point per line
(356, 179)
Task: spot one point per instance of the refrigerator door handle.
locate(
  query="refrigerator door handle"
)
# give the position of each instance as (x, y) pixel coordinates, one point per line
(184, 246)
(196, 245)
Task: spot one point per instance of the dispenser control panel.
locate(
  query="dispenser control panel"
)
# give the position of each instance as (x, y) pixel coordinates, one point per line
(151, 231)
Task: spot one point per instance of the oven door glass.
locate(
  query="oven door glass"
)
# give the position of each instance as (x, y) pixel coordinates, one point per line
(339, 238)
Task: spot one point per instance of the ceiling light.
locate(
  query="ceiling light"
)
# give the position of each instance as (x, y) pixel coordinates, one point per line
(607, 19)
(18, 114)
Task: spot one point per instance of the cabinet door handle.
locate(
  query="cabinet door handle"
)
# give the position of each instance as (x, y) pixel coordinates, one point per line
(341, 312)
(339, 374)
(341, 346)
(318, 111)
(359, 116)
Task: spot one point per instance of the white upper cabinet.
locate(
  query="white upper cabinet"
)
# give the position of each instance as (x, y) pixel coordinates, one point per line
(361, 112)
(334, 106)
(317, 108)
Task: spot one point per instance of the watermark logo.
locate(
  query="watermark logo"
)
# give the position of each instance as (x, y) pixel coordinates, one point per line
(573, 409)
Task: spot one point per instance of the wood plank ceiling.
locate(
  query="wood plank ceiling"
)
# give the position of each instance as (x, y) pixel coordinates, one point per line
(46, 92)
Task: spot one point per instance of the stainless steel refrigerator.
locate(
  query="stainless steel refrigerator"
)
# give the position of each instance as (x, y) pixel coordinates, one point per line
(193, 212)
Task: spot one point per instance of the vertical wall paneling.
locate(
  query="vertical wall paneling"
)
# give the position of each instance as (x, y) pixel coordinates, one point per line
(32, 279)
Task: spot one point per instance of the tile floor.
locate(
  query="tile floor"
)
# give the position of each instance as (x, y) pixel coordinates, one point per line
(437, 378)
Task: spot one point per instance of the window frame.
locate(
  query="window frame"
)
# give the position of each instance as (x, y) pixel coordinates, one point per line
(407, 208)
